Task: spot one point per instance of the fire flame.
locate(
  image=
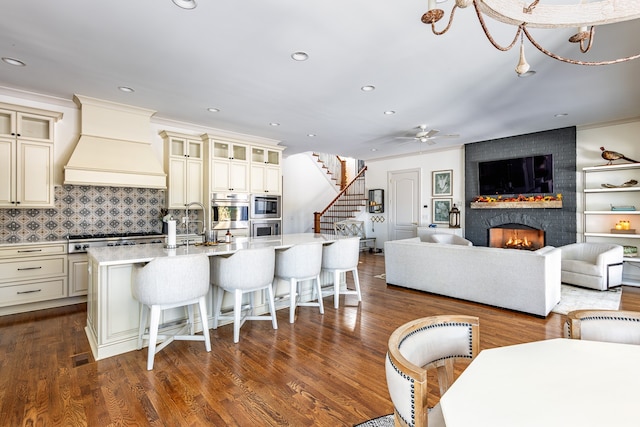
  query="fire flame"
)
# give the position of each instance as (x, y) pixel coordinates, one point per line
(516, 242)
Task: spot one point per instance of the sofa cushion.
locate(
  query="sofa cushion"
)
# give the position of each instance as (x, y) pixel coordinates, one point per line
(582, 267)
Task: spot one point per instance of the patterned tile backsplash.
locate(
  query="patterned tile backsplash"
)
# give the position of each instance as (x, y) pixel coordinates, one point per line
(82, 209)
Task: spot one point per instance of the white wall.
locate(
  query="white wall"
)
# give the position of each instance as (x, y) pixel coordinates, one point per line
(377, 176)
(305, 190)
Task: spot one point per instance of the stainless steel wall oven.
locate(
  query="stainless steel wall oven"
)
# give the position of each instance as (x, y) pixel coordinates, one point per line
(229, 211)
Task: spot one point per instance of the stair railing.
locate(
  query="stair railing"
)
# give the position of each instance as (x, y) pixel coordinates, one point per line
(335, 167)
(356, 186)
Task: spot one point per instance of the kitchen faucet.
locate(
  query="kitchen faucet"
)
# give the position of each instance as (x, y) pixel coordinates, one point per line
(204, 219)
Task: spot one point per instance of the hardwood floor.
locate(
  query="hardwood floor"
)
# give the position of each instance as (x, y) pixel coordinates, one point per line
(324, 370)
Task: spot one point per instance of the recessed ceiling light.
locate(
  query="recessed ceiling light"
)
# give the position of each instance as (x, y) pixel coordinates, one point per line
(374, 149)
(213, 110)
(561, 115)
(368, 88)
(126, 89)
(389, 112)
(311, 135)
(185, 4)
(13, 61)
(274, 124)
(299, 56)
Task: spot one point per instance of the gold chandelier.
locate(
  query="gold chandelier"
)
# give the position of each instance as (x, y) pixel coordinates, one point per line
(584, 16)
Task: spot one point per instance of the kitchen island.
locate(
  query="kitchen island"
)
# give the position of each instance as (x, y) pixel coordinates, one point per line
(113, 313)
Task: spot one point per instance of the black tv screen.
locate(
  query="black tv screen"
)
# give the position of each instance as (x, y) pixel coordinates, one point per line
(520, 175)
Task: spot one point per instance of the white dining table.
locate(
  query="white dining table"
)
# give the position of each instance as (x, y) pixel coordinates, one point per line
(558, 382)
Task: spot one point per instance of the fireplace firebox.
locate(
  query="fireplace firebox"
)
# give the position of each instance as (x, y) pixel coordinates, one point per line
(516, 236)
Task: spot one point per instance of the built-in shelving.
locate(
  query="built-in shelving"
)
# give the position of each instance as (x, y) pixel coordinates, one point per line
(598, 216)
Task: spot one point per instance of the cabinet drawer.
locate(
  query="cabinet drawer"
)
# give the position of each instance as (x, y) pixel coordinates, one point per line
(33, 291)
(24, 269)
(32, 250)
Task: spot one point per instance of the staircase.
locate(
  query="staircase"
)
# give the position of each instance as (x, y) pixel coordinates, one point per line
(334, 167)
(347, 204)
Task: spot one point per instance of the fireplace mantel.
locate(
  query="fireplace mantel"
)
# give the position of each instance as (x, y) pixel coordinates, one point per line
(551, 204)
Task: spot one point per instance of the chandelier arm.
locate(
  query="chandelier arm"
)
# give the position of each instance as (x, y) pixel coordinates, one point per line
(433, 24)
(529, 9)
(486, 30)
(591, 35)
(573, 61)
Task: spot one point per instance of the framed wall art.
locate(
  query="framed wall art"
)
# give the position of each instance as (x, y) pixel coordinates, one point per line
(442, 183)
(440, 210)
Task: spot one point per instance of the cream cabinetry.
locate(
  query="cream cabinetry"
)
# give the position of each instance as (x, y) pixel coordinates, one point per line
(78, 274)
(266, 174)
(26, 156)
(32, 273)
(229, 166)
(607, 189)
(184, 165)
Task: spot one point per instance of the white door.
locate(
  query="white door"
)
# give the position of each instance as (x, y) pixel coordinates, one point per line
(404, 199)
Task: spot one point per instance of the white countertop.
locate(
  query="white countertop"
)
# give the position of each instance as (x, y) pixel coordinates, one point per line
(114, 255)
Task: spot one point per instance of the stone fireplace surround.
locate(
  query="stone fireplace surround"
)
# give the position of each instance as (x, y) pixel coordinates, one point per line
(559, 225)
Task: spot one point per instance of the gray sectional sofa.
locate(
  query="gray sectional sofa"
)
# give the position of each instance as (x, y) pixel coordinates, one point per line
(526, 281)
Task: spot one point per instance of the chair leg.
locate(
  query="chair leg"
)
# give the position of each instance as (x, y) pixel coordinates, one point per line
(219, 295)
(336, 288)
(356, 282)
(205, 323)
(153, 335)
(319, 288)
(143, 318)
(272, 307)
(445, 375)
(237, 313)
(293, 287)
(191, 320)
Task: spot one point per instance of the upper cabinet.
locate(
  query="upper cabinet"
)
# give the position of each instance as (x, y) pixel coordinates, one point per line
(266, 174)
(229, 166)
(184, 164)
(26, 156)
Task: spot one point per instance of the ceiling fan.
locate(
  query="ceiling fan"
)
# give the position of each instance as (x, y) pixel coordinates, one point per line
(428, 136)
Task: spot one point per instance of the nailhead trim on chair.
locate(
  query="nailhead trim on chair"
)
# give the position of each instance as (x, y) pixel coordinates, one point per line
(440, 325)
(406, 377)
(626, 319)
(413, 395)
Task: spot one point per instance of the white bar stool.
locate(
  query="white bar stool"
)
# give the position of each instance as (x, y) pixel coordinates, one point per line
(296, 264)
(340, 257)
(180, 281)
(246, 271)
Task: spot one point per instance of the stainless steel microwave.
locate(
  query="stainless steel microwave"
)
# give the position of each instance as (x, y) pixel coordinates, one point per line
(265, 206)
(267, 227)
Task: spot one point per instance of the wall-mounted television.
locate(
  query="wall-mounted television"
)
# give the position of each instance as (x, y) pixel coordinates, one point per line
(521, 175)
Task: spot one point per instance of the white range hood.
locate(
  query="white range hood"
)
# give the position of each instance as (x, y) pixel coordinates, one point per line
(114, 148)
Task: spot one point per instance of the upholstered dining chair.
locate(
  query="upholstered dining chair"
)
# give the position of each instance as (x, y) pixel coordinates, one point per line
(169, 282)
(246, 271)
(296, 264)
(422, 344)
(339, 258)
(604, 325)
